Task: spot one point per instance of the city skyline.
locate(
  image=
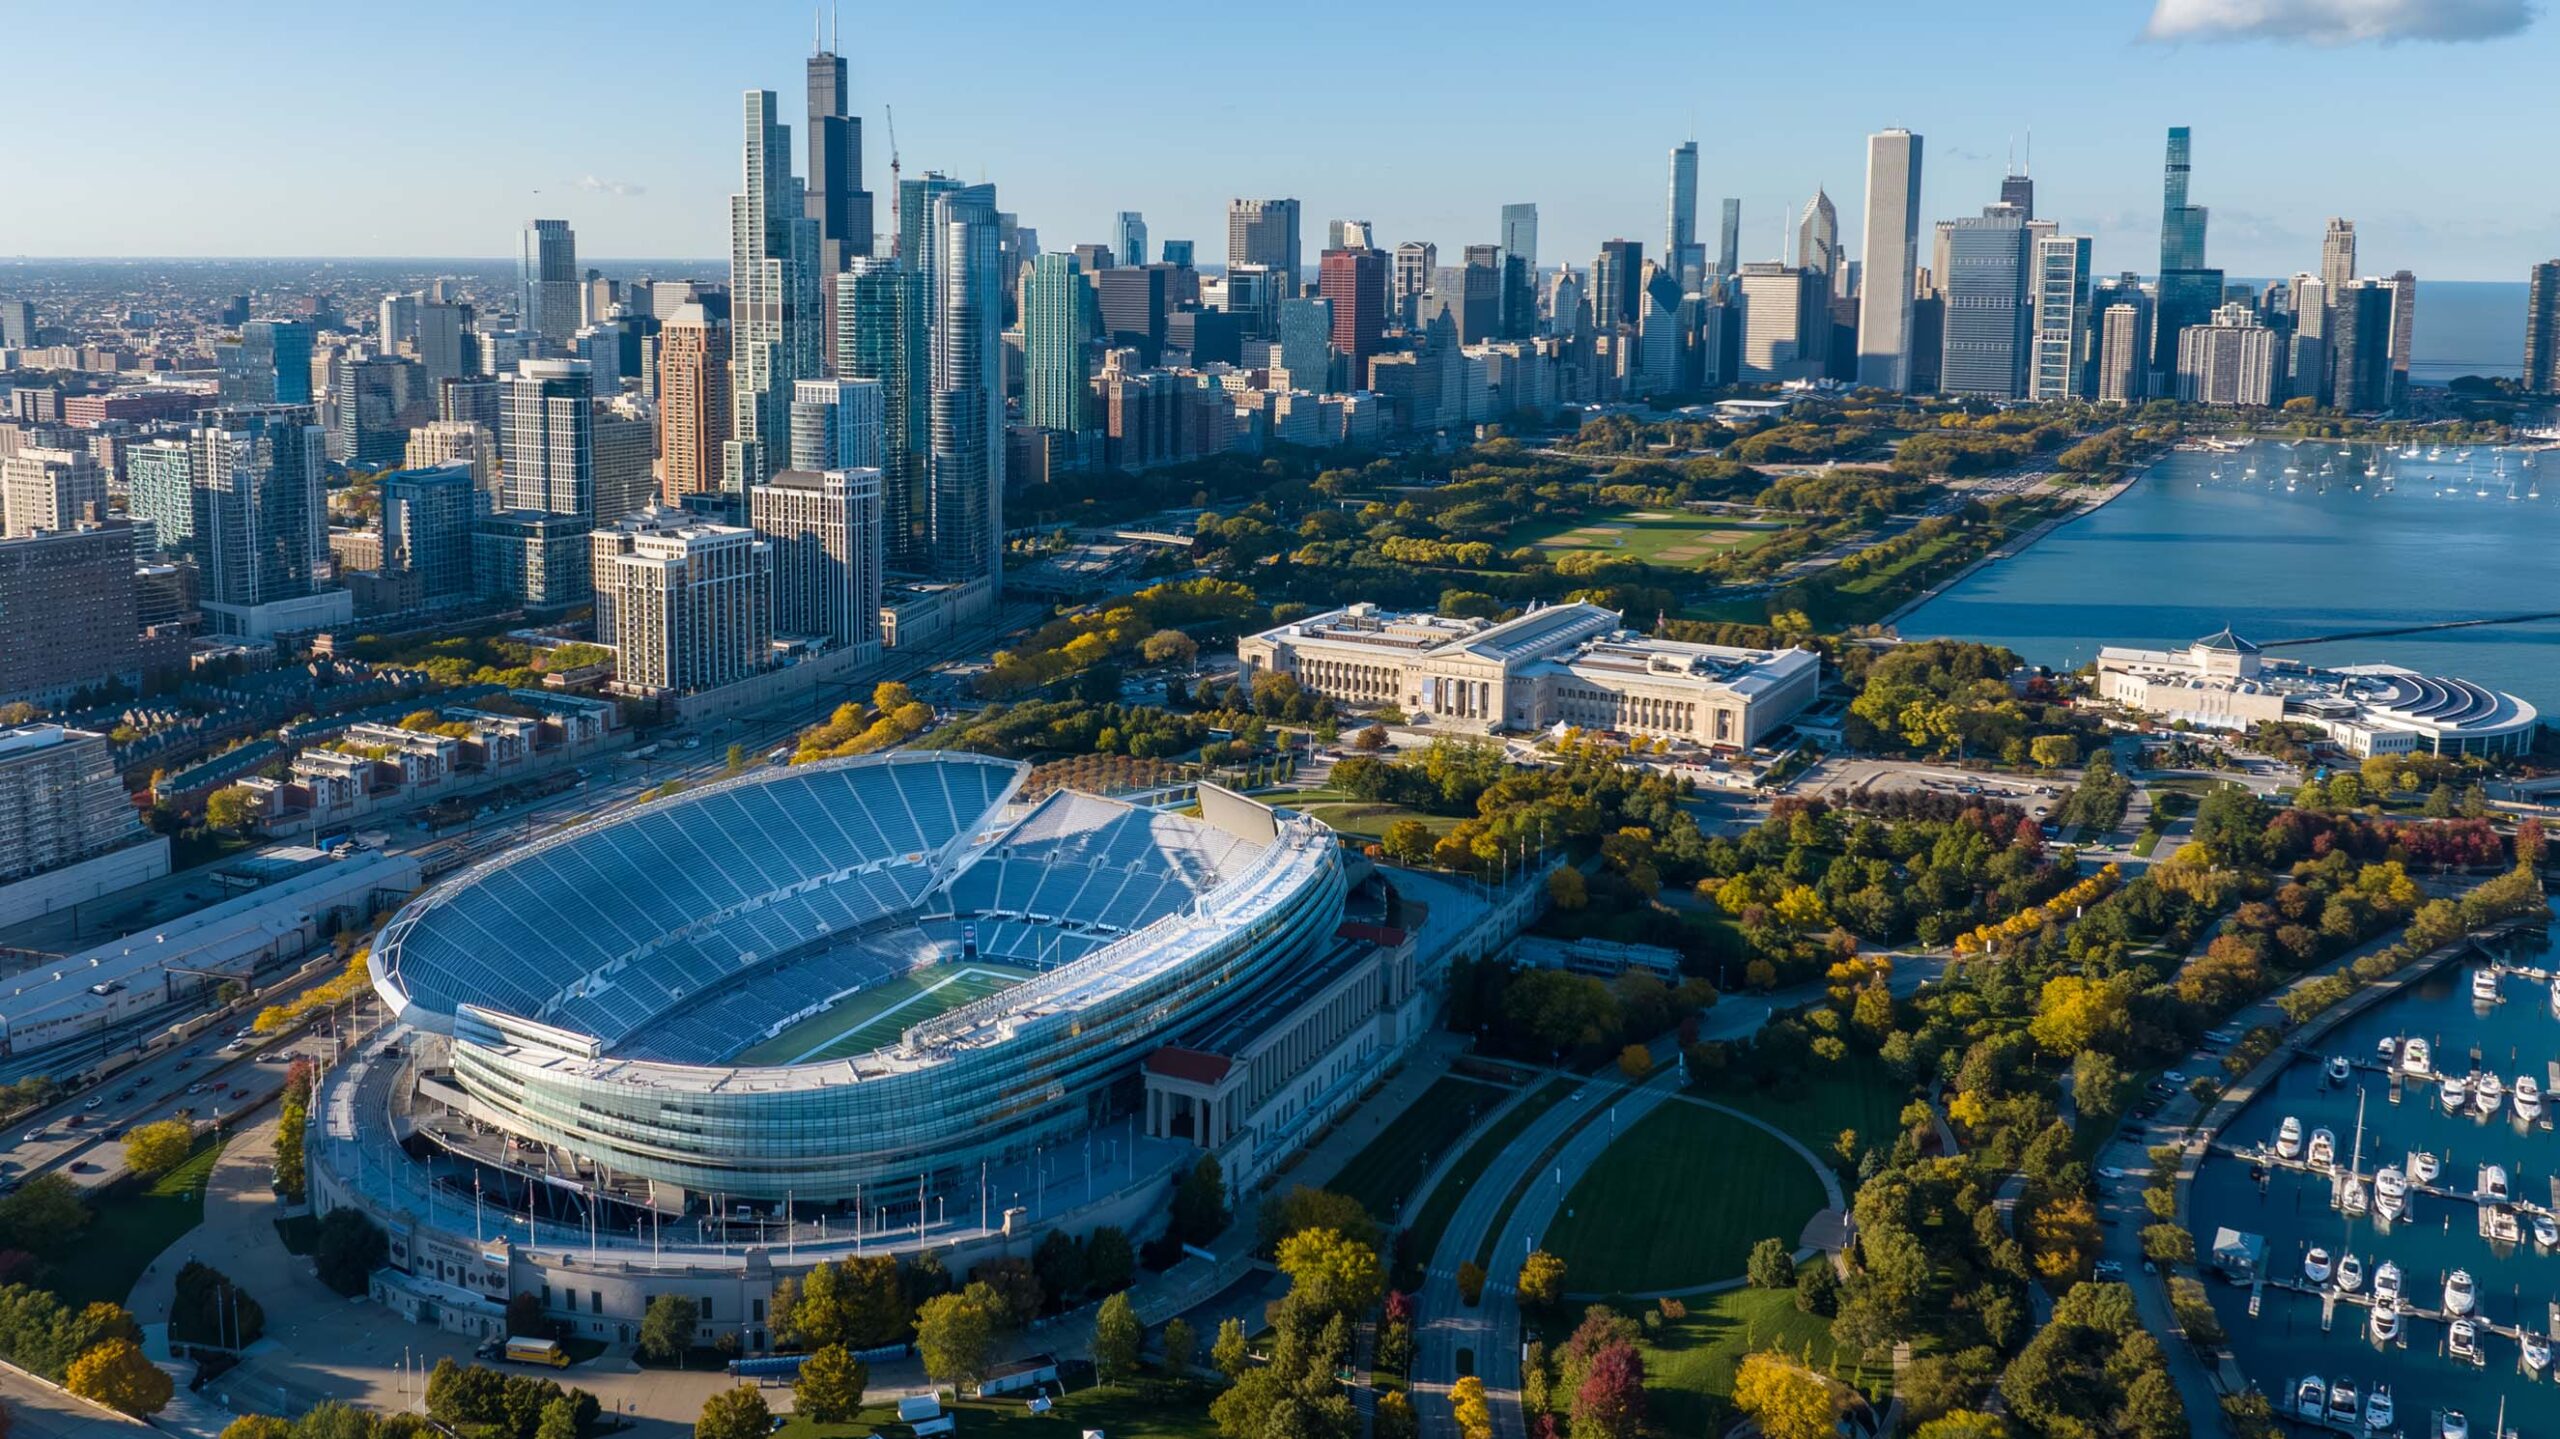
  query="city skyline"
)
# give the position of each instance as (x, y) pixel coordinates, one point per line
(652, 184)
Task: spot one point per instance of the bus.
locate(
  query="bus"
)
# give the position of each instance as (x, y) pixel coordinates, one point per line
(522, 1349)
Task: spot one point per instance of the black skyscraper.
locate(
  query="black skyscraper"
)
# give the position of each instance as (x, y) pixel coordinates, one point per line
(836, 198)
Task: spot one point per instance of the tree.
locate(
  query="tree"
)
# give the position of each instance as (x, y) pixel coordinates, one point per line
(1200, 1202)
(348, 1248)
(1371, 739)
(1181, 1348)
(2063, 1233)
(1789, 1400)
(1394, 1417)
(1635, 1061)
(257, 1426)
(1566, 886)
(230, 807)
(1468, 1407)
(1610, 1402)
(1470, 1281)
(738, 1413)
(1771, 1266)
(1228, 1354)
(1541, 1283)
(1109, 1262)
(1304, 1207)
(1169, 647)
(117, 1375)
(1117, 1334)
(830, 1385)
(1965, 1424)
(43, 1216)
(1331, 1273)
(151, 1150)
(559, 1420)
(2052, 751)
(1410, 841)
(667, 1328)
(955, 1337)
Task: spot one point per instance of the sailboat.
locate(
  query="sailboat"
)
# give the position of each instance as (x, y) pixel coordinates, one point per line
(2351, 1196)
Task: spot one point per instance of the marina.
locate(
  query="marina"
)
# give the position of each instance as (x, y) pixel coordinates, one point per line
(2386, 1212)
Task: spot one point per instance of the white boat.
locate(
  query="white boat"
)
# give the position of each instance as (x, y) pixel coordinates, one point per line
(2386, 1283)
(2344, 1402)
(2317, 1265)
(2350, 1273)
(2289, 1138)
(2391, 1206)
(2498, 1224)
(2484, 985)
(2528, 1097)
(2311, 1398)
(2414, 1058)
(2492, 1186)
(2387, 1049)
(2555, 996)
(2537, 1352)
(2390, 1180)
(2383, 1322)
(2323, 1152)
(2488, 1094)
(2351, 1195)
(2453, 1426)
(2422, 1166)
(2339, 1070)
(2546, 1231)
(2462, 1340)
(2377, 1408)
(2453, 1093)
(2459, 1292)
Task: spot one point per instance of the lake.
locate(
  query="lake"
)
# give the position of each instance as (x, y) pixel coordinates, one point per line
(2197, 543)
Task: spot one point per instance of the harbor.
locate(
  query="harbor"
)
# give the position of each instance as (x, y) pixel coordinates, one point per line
(2386, 1214)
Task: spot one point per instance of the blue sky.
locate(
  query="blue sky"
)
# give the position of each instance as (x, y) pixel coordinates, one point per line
(258, 127)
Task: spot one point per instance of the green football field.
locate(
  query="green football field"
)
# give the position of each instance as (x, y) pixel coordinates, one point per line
(870, 1018)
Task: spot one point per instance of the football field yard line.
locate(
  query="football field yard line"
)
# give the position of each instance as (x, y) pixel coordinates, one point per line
(980, 982)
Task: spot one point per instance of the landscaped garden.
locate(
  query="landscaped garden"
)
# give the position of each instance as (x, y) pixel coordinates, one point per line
(1679, 1200)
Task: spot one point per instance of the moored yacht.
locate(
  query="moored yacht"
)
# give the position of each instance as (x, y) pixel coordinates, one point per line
(2383, 1322)
(2339, 1070)
(2311, 1397)
(2414, 1056)
(2454, 1092)
(2289, 1138)
(2386, 1283)
(2377, 1407)
(2462, 1340)
(2484, 985)
(2492, 1188)
(2537, 1352)
(2459, 1293)
(2317, 1265)
(2528, 1095)
(2323, 1151)
(2453, 1426)
(2546, 1232)
(2488, 1092)
(2350, 1273)
(2422, 1166)
(2344, 1403)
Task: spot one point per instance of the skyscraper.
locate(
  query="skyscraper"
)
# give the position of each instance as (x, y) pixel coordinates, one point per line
(1265, 232)
(1415, 260)
(428, 516)
(550, 437)
(1129, 238)
(823, 529)
(2338, 253)
(1988, 310)
(1890, 267)
(2019, 192)
(836, 424)
(1306, 341)
(2542, 329)
(2059, 367)
(1818, 235)
(966, 412)
(2233, 361)
(1786, 323)
(2360, 346)
(1059, 320)
(270, 364)
(2124, 352)
(49, 489)
(2404, 333)
(1354, 282)
(775, 316)
(686, 605)
(1729, 228)
(836, 200)
(262, 519)
(1520, 234)
(877, 340)
(1682, 231)
(693, 403)
(2189, 291)
(68, 596)
(1614, 278)
(549, 311)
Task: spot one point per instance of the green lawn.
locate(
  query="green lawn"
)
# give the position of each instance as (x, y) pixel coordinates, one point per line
(1689, 1363)
(1422, 1236)
(866, 1020)
(1673, 539)
(133, 1223)
(1120, 1411)
(1351, 815)
(1857, 1092)
(1384, 1172)
(1679, 1200)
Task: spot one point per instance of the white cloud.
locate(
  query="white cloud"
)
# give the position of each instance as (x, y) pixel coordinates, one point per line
(610, 187)
(2337, 22)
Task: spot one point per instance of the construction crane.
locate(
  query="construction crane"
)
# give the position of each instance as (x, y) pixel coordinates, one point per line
(891, 112)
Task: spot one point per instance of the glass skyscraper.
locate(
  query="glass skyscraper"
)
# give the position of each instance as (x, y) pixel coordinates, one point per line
(776, 318)
(1059, 320)
(964, 268)
(1987, 315)
(876, 300)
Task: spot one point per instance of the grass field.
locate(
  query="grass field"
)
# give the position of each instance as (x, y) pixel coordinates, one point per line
(1423, 1235)
(1679, 1200)
(867, 1019)
(1673, 539)
(1384, 1172)
(1858, 1092)
(1689, 1363)
(132, 1225)
(1355, 816)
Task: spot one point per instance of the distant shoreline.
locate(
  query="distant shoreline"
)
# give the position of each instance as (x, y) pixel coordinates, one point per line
(2088, 506)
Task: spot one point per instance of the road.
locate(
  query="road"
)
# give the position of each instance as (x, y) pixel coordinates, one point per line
(1490, 1331)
